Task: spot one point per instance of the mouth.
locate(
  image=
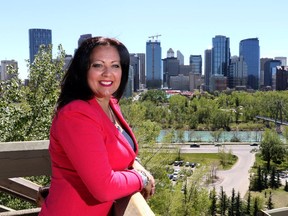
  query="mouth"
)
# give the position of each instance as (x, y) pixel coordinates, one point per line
(106, 83)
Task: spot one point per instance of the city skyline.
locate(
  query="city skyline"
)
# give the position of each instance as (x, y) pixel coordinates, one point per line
(186, 26)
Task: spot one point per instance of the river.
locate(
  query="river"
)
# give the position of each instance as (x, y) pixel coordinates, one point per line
(206, 136)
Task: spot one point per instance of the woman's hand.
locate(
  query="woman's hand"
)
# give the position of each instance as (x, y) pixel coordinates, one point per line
(149, 189)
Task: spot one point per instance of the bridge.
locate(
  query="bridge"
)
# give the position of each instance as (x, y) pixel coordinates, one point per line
(276, 121)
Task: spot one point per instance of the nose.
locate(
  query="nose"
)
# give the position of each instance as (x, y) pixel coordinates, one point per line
(106, 71)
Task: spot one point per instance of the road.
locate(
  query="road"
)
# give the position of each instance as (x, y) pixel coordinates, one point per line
(238, 176)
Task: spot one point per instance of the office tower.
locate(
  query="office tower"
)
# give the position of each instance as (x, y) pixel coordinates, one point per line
(179, 82)
(262, 63)
(83, 38)
(154, 75)
(237, 73)
(38, 37)
(196, 63)
(220, 55)
(5, 65)
(208, 67)
(129, 87)
(270, 73)
(170, 67)
(220, 62)
(281, 78)
(67, 61)
(282, 59)
(142, 64)
(180, 57)
(250, 50)
(135, 64)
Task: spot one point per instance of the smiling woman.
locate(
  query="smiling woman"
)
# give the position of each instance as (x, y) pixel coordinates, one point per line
(92, 148)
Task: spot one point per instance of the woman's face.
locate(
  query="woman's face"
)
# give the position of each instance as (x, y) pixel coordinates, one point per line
(104, 74)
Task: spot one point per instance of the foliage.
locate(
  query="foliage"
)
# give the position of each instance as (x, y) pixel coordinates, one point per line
(272, 148)
(25, 111)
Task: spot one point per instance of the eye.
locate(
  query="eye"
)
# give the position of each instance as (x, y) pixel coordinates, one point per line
(116, 66)
(97, 65)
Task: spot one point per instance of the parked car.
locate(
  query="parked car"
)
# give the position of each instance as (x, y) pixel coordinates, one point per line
(254, 144)
(194, 145)
(217, 144)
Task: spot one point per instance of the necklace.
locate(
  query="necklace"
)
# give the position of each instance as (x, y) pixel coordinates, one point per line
(115, 122)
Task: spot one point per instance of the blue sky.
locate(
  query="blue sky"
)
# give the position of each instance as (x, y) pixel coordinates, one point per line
(184, 25)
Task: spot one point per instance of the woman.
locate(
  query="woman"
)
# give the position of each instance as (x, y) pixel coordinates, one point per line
(92, 148)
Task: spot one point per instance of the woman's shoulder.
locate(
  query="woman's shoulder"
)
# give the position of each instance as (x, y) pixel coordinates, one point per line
(80, 106)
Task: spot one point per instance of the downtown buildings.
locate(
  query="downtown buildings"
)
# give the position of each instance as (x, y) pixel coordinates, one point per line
(216, 70)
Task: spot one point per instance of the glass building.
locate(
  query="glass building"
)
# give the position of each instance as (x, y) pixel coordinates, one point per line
(38, 37)
(220, 55)
(207, 68)
(196, 62)
(249, 49)
(154, 75)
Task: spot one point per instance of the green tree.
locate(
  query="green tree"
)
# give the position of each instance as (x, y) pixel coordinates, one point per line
(213, 198)
(26, 111)
(272, 148)
(270, 204)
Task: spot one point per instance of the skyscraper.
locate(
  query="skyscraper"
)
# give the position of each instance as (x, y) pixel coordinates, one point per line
(154, 75)
(220, 55)
(135, 64)
(170, 67)
(4, 66)
(196, 63)
(38, 37)
(208, 68)
(250, 50)
(270, 68)
(83, 38)
(180, 57)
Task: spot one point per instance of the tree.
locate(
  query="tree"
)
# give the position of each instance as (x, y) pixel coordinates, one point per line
(26, 111)
(270, 204)
(248, 206)
(213, 199)
(272, 148)
(286, 186)
(223, 202)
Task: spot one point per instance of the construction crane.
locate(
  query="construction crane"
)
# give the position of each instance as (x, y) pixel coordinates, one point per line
(154, 36)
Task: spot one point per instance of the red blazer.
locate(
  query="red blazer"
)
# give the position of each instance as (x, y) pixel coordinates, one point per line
(89, 159)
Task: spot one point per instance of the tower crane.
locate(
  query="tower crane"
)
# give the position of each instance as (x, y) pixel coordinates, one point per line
(155, 36)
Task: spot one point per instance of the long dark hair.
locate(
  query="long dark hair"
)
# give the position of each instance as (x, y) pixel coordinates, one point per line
(74, 84)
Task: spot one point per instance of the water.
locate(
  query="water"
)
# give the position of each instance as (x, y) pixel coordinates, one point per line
(206, 136)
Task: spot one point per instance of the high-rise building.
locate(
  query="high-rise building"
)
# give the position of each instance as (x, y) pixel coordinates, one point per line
(129, 86)
(237, 73)
(262, 63)
(208, 67)
(170, 67)
(270, 68)
(250, 50)
(38, 37)
(281, 78)
(142, 66)
(135, 64)
(282, 59)
(196, 63)
(83, 38)
(180, 57)
(154, 75)
(220, 55)
(220, 63)
(5, 64)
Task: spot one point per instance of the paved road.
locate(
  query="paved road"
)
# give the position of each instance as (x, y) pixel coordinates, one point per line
(238, 176)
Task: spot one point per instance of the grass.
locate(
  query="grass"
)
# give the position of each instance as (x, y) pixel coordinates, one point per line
(279, 197)
(206, 159)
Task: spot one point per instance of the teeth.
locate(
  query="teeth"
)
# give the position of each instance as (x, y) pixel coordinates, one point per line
(106, 82)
